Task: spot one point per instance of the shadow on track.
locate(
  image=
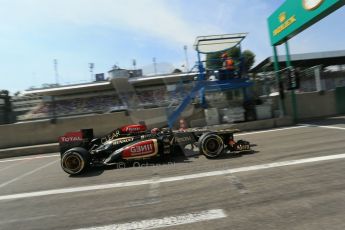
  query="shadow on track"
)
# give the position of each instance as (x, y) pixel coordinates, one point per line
(181, 157)
(228, 155)
(99, 170)
(327, 121)
(92, 172)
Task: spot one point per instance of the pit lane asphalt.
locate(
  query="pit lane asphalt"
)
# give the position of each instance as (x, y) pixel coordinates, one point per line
(304, 196)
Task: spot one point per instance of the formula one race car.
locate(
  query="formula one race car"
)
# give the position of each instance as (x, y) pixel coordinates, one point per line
(80, 150)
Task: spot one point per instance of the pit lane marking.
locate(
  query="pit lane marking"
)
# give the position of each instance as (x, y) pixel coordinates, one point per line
(26, 174)
(236, 182)
(29, 158)
(324, 126)
(165, 222)
(272, 130)
(26, 219)
(12, 166)
(171, 179)
(152, 196)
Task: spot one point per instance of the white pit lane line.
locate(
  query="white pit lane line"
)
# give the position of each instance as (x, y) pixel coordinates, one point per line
(26, 174)
(273, 130)
(165, 222)
(171, 179)
(35, 218)
(29, 158)
(323, 126)
(12, 166)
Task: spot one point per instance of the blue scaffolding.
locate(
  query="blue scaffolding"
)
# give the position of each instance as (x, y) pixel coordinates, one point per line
(208, 45)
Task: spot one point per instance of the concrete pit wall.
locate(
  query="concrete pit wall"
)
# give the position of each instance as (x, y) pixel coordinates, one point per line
(43, 131)
(313, 104)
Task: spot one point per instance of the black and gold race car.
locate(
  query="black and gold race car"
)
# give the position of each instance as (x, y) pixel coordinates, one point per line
(80, 150)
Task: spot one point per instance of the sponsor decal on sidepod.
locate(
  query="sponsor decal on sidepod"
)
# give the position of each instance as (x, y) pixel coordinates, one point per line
(143, 148)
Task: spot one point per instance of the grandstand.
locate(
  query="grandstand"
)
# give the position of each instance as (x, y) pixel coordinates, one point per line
(75, 106)
(103, 97)
(97, 97)
(23, 104)
(162, 90)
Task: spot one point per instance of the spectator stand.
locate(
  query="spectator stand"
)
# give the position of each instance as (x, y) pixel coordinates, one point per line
(73, 100)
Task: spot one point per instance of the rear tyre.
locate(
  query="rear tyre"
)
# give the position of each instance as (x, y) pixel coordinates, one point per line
(211, 145)
(75, 161)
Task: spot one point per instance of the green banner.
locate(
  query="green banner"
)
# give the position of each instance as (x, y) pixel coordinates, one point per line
(293, 16)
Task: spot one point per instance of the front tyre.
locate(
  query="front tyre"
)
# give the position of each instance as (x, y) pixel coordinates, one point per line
(75, 161)
(211, 145)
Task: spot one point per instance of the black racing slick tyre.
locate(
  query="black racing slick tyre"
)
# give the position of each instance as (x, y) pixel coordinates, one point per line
(75, 161)
(211, 145)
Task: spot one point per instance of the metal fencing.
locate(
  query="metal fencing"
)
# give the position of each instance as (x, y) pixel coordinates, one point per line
(311, 79)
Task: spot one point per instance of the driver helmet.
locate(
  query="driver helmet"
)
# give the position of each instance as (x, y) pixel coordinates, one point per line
(155, 130)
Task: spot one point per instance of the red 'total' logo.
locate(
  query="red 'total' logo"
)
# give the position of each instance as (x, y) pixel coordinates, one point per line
(71, 137)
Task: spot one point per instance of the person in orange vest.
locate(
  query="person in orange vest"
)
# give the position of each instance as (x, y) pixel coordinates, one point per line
(228, 65)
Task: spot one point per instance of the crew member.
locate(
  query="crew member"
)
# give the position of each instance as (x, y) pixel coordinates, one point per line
(183, 124)
(228, 66)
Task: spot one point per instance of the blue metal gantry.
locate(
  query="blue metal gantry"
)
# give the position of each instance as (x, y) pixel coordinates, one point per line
(208, 45)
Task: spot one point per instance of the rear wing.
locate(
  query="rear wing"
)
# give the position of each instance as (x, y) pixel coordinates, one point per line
(80, 138)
